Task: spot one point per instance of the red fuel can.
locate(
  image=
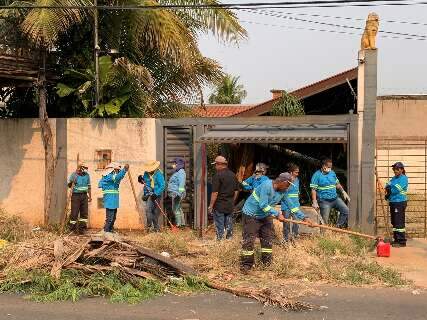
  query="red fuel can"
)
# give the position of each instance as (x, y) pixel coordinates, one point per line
(383, 249)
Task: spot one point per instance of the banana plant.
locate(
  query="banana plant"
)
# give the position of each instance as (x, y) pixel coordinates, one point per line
(81, 83)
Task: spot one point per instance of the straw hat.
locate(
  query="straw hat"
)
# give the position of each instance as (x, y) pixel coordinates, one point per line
(110, 168)
(151, 165)
(82, 165)
(220, 160)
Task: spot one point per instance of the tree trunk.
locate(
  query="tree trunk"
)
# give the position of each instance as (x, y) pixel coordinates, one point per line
(47, 138)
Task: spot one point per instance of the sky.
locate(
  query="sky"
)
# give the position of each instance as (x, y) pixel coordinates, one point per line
(278, 56)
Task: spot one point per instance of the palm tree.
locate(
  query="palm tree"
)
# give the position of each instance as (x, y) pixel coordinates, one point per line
(162, 43)
(228, 91)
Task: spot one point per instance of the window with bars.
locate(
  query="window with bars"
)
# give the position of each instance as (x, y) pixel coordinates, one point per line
(102, 158)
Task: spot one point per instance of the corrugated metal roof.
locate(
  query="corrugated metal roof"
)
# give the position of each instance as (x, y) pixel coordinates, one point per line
(275, 134)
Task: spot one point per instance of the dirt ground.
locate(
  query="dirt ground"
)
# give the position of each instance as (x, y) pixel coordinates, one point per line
(411, 261)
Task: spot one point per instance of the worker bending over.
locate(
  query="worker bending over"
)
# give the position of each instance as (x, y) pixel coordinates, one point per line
(257, 178)
(324, 185)
(396, 194)
(258, 213)
(79, 181)
(109, 184)
(290, 205)
(154, 185)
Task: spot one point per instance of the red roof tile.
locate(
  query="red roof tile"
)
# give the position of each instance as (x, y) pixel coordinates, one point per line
(221, 110)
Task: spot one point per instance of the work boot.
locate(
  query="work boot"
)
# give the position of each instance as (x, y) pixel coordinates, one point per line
(245, 270)
(398, 245)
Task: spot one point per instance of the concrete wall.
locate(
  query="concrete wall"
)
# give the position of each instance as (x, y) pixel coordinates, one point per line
(401, 116)
(22, 168)
(132, 141)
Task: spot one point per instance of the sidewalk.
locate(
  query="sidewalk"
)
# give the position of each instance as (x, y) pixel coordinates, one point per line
(411, 261)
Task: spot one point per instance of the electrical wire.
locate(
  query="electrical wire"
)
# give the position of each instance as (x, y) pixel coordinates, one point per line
(326, 30)
(350, 18)
(276, 15)
(288, 4)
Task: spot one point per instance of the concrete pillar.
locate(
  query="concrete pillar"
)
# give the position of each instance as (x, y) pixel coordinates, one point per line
(366, 109)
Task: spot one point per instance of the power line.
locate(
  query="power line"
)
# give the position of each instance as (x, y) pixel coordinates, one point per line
(276, 15)
(289, 4)
(326, 30)
(349, 18)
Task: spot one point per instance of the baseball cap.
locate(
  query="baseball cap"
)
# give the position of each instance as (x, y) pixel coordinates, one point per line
(220, 159)
(398, 165)
(285, 177)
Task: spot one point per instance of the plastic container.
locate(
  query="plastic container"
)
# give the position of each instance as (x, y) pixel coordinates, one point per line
(383, 249)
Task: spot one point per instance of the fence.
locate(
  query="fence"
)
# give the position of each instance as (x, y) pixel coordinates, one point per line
(413, 153)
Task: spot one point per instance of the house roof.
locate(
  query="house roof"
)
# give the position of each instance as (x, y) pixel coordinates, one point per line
(221, 110)
(303, 92)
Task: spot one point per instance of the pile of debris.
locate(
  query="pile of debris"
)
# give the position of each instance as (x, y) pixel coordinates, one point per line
(94, 254)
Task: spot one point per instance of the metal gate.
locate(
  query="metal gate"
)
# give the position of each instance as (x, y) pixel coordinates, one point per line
(178, 142)
(413, 153)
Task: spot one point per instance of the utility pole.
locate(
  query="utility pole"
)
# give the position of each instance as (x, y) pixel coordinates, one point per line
(97, 48)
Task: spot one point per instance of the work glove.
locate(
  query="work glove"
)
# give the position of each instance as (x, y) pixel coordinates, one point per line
(315, 205)
(387, 192)
(280, 217)
(145, 198)
(345, 196)
(154, 196)
(141, 179)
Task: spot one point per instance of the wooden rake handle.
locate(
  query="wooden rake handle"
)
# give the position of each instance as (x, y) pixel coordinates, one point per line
(322, 226)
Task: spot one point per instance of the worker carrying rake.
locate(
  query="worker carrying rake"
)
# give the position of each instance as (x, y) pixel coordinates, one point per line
(79, 181)
(154, 185)
(396, 194)
(258, 214)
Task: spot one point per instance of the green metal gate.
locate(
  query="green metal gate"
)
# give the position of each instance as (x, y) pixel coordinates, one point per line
(413, 153)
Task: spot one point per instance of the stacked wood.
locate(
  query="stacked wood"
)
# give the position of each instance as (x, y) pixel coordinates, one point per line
(94, 254)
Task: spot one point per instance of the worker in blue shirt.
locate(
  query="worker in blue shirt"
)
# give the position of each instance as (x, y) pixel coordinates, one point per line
(290, 205)
(79, 181)
(154, 185)
(109, 183)
(396, 194)
(324, 185)
(176, 190)
(258, 213)
(257, 178)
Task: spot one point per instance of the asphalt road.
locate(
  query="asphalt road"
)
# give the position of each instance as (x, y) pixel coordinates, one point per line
(339, 304)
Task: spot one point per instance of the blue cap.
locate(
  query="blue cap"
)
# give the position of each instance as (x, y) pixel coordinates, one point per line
(398, 165)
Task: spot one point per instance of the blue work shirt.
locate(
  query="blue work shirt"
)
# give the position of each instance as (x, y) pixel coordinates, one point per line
(260, 203)
(154, 183)
(176, 184)
(82, 184)
(290, 202)
(253, 181)
(398, 188)
(325, 185)
(110, 188)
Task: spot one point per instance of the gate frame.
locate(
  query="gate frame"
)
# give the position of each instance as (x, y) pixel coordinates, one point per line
(358, 194)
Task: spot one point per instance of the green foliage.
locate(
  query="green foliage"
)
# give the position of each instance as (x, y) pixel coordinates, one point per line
(287, 106)
(164, 67)
(367, 272)
(73, 285)
(187, 285)
(228, 91)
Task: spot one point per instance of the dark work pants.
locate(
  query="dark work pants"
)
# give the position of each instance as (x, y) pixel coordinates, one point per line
(110, 218)
(79, 204)
(252, 228)
(397, 213)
